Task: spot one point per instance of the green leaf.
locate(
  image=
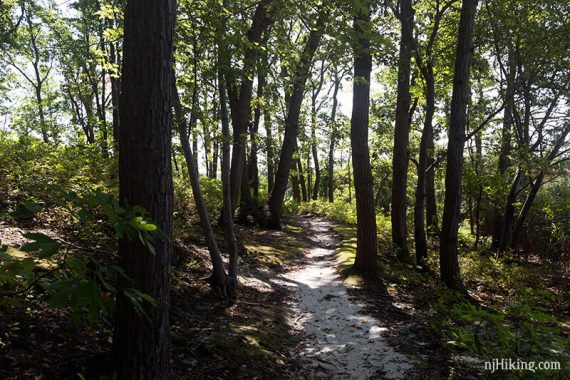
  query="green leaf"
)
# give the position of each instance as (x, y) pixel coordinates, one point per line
(148, 226)
(26, 209)
(43, 245)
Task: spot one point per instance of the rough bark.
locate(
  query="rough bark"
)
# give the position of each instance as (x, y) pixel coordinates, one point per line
(302, 72)
(140, 343)
(366, 254)
(401, 137)
(449, 266)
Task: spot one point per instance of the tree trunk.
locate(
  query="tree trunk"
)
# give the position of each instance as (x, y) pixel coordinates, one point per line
(246, 205)
(292, 121)
(366, 254)
(425, 186)
(218, 278)
(431, 200)
(401, 137)
(333, 137)
(227, 210)
(509, 214)
(295, 182)
(269, 148)
(141, 343)
(421, 190)
(39, 81)
(449, 266)
(253, 169)
(479, 197)
(302, 182)
(503, 163)
(115, 95)
(535, 188)
(314, 151)
(240, 103)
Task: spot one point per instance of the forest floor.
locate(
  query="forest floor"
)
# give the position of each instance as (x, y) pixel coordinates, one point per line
(297, 316)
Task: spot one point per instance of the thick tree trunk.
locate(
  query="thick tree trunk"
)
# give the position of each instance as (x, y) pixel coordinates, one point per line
(449, 266)
(292, 121)
(218, 278)
(366, 254)
(140, 343)
(401, 137)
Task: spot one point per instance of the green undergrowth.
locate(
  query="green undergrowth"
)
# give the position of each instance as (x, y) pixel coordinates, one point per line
(521, 313)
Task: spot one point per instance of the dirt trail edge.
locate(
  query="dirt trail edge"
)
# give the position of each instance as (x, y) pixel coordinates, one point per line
(339, 340)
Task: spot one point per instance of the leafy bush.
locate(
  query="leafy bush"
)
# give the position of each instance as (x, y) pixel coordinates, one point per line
(74, 277)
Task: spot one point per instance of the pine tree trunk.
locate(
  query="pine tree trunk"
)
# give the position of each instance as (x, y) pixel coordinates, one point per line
(140, 343)
(401, 137)
(366, 254)
(449, 265)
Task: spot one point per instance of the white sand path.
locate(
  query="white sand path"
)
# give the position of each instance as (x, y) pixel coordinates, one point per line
(339, 340)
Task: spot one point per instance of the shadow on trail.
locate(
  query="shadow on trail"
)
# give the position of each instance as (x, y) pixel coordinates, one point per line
(340, 340)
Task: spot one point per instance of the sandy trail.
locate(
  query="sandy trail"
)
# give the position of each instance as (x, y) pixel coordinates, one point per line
(339, 340)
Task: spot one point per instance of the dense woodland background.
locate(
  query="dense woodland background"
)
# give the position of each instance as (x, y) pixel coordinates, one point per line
(154, 154)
